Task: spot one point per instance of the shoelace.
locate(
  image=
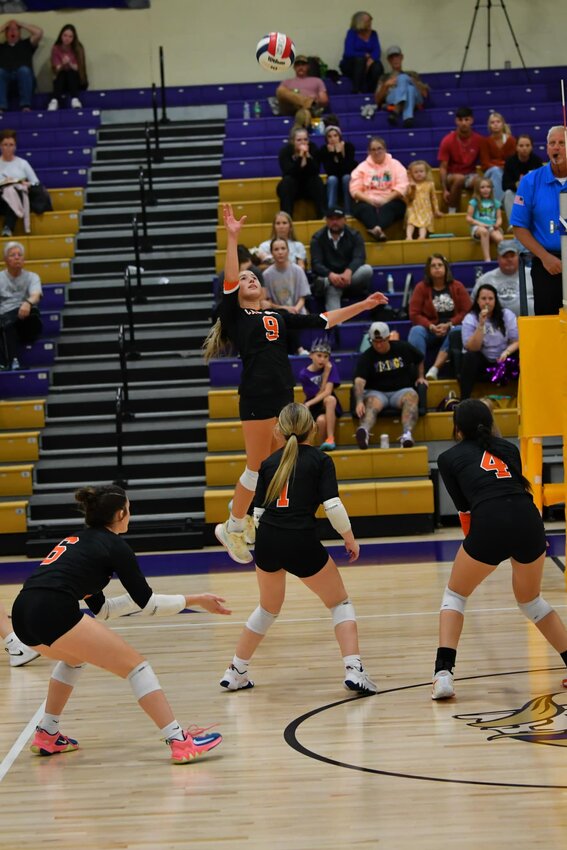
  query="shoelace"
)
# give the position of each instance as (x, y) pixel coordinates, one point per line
(195, 731)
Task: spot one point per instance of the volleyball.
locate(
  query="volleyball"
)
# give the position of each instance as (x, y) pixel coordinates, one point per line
(275, 52)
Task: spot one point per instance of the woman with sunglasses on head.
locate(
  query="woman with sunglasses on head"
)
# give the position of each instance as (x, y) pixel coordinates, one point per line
(266, 386)
(483, 475)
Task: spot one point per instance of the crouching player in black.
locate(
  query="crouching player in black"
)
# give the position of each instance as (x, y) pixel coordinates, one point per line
(483, 475)
(292, 483)
(47, 617)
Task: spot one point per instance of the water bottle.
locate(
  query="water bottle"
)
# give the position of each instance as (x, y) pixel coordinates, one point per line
(478, 272)
(384, 441)
(390, 283)
(257, 110)
(246, 111)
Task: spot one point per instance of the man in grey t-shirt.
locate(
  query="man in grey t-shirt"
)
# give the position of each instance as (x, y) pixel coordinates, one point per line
(20, 293)
(506, 278)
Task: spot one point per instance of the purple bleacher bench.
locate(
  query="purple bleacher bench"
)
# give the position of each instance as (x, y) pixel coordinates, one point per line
(24, 383)
(37, 354)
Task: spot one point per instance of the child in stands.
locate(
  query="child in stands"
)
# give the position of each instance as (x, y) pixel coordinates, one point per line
(484, 214)
(319, 380)
(422, 209)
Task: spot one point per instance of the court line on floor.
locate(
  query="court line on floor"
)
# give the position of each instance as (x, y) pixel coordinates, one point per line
(20, 742)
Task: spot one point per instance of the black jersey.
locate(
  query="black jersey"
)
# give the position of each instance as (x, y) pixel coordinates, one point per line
(313, 482)
(82, 564)
(260, 337)
(473, 475)
(391, 370)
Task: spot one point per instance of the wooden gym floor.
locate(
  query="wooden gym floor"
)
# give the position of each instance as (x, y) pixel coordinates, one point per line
(303, 764)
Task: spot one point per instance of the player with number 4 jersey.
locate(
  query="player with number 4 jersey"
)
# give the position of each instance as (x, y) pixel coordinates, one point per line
(292, 484)
(259, 338)
(483, 475)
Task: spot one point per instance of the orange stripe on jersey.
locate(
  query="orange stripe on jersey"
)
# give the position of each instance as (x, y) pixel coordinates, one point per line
(229, 288)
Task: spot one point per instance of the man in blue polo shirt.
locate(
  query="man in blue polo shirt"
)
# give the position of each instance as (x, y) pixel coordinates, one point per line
(535, 218)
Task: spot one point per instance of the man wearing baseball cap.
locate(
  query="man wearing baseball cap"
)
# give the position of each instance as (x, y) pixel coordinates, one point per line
(402, 91)
(506, 278)
(338, 260)
(385, 376)
(302, 96)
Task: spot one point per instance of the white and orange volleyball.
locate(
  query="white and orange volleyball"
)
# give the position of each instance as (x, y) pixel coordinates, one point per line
(275, 52)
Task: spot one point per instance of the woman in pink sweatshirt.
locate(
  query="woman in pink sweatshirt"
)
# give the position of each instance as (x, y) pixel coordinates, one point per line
(378, 186)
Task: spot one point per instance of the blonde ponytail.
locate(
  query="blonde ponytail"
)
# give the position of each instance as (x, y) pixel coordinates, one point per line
(216, 344)
(296, 425)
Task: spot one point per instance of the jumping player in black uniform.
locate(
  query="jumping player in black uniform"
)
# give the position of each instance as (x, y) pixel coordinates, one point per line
(483, 475)
(259, 336)
(292, 483)
(46, 615)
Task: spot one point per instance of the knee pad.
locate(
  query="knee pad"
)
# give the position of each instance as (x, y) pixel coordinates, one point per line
(63, 672)
(143, 680)
(535, 610)
(453, 601)
(249, 479)
(260, 621)
(343, 613)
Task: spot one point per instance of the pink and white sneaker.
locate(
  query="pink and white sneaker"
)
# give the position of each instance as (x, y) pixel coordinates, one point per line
(44, 744)
(196, 743)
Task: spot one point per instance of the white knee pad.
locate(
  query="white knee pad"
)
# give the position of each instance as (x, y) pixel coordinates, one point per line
(535, 610)
(143, 680)
(260, 621)
(343, 612)
(63, 672)
(453, 601)
(249, 479)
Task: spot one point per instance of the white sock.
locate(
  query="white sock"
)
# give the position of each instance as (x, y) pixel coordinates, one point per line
(240, 664)
(11, 638)
(172, 732)
(49, 723)
(235, 525)
(353, 661)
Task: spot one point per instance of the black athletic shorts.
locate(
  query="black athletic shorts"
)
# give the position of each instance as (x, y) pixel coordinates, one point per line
(509, 527)
(298, 552)
(43, 616)
(264, 406)
(319, 408)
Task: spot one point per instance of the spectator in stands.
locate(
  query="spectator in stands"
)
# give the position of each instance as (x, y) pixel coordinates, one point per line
(282, 226)
(378, 187)
(490, 337)
(385, 377)
(16, 65)
(319, 380)
(20, 293)
(69, 68)
(437, 306)
(421, 198)
(495, 149)
(299, 163)
(16, 176)
(401, 91)
(458, 157)
(361, 54)
(535, 218)
(520, 163)
(285, 288)
(302, 96)
(338, 259)
(506, 278)
(484, 215)
(338, 161)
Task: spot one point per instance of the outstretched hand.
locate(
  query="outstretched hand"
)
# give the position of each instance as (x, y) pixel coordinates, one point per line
(375, 299)
(232, 224)
(212, 603)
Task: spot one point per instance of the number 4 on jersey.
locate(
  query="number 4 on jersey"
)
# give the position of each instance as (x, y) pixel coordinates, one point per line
(490, 463)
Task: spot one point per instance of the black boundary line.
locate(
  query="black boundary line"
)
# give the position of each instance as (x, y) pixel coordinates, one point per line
(290, 737)
(558, 562)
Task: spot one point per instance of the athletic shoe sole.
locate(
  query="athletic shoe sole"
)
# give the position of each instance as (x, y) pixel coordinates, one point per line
(201, 752)
(219, 529)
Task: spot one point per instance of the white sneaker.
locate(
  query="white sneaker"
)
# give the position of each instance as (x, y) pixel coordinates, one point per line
(432, 374)
(233, 543)
(442, 687)
(235, 681)
(19, 653)
(76, 103)
(359, 681)
(53, 105)
(249, 532)
(407, 441)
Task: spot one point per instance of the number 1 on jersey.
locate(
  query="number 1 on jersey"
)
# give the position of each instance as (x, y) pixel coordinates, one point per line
(493, 464)
(283, 501)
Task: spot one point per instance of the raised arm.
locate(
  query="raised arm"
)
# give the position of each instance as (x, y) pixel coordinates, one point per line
(233, 227)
